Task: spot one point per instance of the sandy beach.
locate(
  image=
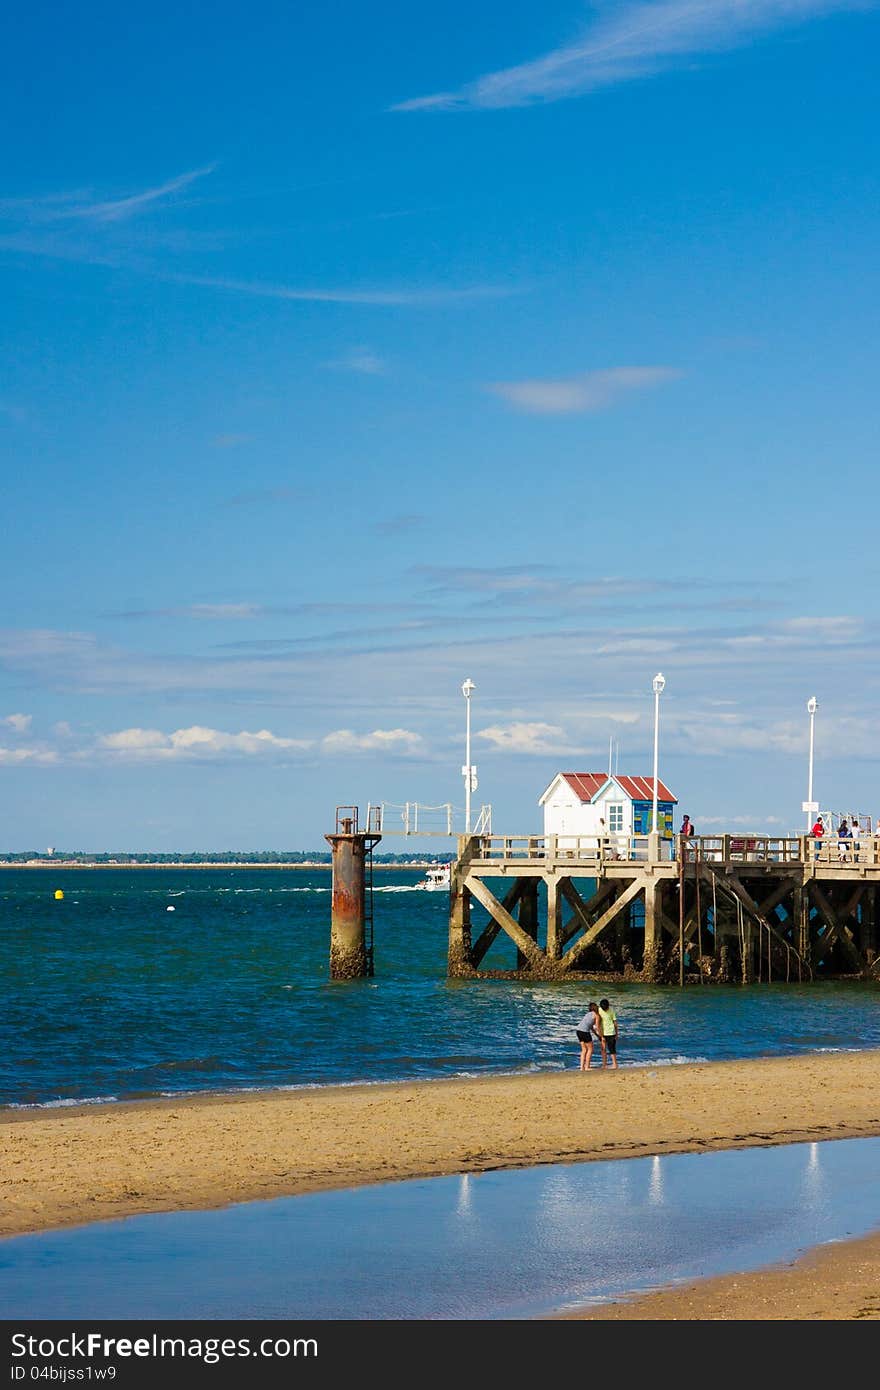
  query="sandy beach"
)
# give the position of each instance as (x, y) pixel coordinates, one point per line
(69, 1166)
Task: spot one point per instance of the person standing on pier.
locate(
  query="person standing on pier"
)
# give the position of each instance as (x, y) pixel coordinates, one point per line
(610, 1033)
(687, 827)
(856, 832)
(843, 834)
(816, 834)
(587, 1033)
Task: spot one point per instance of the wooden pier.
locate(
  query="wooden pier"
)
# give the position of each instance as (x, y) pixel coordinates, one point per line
(726, 908)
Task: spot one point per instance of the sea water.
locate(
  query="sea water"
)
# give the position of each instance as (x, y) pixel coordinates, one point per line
(499, 1245)
(108, 995)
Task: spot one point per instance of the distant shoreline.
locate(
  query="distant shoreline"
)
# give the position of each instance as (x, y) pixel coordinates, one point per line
(202, 864)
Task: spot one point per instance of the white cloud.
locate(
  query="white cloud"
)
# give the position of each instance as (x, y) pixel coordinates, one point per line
(628, 41)
(588, 391)
(524, 738)
(390, 740)
(196, 742)
(19, 722)
(27, 755)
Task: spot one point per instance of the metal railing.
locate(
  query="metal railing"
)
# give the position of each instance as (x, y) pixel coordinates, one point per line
(416, 818)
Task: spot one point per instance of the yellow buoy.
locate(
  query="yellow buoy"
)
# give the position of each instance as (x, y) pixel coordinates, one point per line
(58, 895)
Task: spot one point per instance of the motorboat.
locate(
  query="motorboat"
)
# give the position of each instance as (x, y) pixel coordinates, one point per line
(437, 878)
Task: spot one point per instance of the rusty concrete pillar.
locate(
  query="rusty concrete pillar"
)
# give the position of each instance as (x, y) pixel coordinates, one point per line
(351, 955)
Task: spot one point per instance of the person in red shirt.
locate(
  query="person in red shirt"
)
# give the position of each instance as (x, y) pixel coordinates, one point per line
(816, 834)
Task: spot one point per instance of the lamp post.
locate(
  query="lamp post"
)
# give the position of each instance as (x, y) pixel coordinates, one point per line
(468, 772)
(657, 684)
(812, 706)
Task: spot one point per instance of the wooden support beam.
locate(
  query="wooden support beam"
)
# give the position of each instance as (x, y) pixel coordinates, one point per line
(574, 952)
(837, 928)
(490, 931)
(652, 951)
(554, 917)
(754, 911)
(500, 914)
(459, 962)
(586, 911)
(775, 898)
(527, 915)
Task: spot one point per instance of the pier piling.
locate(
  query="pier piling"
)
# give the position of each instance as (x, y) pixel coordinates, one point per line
(725, 908)
(351, 908)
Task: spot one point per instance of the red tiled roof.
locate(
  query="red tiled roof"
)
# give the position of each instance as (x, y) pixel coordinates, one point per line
(585, 785)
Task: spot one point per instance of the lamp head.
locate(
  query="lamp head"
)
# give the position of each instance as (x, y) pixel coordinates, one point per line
(812, 705)
(467, 688)
(658, 683)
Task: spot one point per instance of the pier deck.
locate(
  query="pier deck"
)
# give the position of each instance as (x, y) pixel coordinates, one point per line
(722, 908)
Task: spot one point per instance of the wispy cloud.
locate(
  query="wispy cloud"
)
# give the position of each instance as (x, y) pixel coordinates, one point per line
(400, 524)
(588, 391)
(626, 42)
(490, 579)
(753, 819)
(80, 227)
(230, 441)
(266, 494)
(380, 298)
(73, 207)
(362, 361)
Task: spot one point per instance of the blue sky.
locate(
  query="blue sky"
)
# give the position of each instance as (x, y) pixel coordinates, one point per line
(348, 351)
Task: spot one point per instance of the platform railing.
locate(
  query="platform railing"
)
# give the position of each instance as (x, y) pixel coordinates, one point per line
(742, 849)
(832, 851)
(595, 851)
(780, 849)
(580, 849)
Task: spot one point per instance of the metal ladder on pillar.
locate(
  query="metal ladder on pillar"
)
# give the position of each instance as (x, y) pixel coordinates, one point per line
(368, 905)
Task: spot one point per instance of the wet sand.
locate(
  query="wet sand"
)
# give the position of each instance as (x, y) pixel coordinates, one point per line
(834, 1283)
(70, 1166)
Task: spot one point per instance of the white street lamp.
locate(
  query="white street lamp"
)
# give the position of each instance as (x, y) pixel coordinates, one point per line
(812, 706)
(658, 685)
(468, 772)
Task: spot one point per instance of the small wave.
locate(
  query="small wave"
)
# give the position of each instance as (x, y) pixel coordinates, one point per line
(402, 888)
(312, 890)
(60, 1104)
(678, 1061)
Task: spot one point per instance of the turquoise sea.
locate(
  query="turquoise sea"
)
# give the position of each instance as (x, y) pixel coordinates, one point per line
(107, 995)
